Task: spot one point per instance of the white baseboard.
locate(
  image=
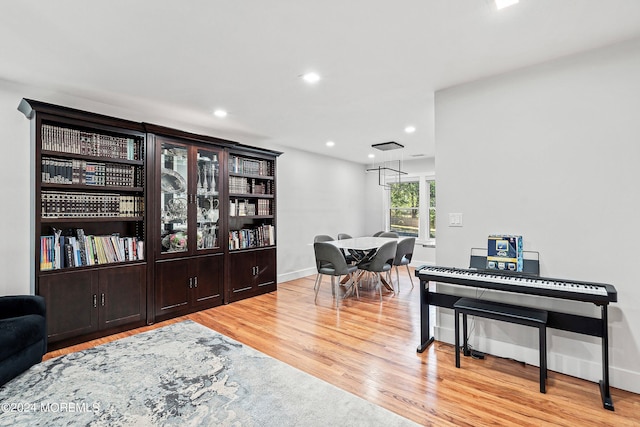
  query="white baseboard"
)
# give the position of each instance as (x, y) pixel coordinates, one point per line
(293, 275)
(298, 274)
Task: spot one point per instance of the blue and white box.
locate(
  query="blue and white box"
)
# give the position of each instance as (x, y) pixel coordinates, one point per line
(504, 252)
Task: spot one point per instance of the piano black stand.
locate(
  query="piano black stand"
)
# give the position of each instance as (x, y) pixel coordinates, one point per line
(597, 327)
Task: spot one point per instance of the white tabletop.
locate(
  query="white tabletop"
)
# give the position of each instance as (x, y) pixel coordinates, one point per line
(362, 243)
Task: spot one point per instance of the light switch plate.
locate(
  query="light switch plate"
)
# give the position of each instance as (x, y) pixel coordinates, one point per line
(455, 220)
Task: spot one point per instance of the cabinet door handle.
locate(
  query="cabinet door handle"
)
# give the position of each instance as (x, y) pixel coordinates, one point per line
(190, 282)
(95, 301)
(102, 299)
(195, 282)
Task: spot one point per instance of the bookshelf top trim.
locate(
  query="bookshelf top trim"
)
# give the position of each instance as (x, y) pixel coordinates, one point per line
(31, 108)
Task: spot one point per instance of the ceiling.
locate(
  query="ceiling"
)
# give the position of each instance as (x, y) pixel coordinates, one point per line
(172, 63)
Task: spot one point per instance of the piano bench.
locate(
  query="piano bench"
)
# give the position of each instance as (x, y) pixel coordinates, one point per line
(506, 313)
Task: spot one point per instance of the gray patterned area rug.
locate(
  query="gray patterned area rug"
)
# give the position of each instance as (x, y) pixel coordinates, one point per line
(183, 374)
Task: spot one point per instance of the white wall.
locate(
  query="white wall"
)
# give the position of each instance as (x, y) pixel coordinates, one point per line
(550, 152)
(15, 176)
(316, 195)
(324, 195)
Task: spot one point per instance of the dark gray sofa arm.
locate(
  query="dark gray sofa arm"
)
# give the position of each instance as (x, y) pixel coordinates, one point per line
(21, 305)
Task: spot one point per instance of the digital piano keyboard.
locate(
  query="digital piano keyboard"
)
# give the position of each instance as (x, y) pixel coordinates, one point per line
(599, 294)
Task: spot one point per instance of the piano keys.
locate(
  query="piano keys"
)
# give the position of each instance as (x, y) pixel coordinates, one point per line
(600, 294)
(522, 283)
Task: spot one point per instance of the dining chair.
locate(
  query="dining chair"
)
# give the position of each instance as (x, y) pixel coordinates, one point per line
(404, 252)
(378, 233)
(322, 238)
(389, 234)
(331, 262)
(381, 262)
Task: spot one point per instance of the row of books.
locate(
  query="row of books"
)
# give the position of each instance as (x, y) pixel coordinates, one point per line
(56, 138)
(75, 171)
(57, 251)
(245, 207)
(241, 185)
(58, 204)
(264, 207)
(250, 166)
(263, 235)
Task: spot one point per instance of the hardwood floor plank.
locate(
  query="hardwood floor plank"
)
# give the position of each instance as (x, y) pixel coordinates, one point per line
(368, 348)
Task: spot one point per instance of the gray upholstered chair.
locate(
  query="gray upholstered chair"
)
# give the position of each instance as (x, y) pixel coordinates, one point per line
(404, 252)
(321, 238)
(378, 233)
(381, 262)
(331, 262)
(389, 234)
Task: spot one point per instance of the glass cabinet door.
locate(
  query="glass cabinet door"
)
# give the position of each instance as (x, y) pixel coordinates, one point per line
(208, 199)
(174, 187)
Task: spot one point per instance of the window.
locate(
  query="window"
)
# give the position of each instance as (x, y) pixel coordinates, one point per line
(405, 208)
(412, 208)
(431, 186)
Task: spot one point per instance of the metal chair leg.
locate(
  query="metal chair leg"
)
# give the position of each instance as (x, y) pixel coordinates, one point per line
(316, 286)
(391, 281)
(350, 286)
(397, 278)
(354, 284)
(410, 276)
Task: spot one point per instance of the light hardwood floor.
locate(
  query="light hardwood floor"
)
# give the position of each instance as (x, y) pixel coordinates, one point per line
(369, 349)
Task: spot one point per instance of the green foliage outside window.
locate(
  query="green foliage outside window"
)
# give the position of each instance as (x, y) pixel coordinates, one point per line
(432, 209)
(405, 202)
(405, 208)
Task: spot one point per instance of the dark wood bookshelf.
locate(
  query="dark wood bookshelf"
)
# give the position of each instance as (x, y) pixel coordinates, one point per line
(173, 175)
(86, 300)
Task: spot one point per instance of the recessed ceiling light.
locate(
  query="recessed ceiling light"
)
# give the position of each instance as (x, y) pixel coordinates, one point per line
(311, 77)
(220, 113)
(330, 143)
(501, 4)
(371, 156)
(410, 129)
